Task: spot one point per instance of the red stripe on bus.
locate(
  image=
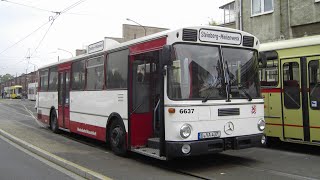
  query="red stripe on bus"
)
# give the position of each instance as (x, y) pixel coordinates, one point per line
(88, 130)
(43, 118)
(278, 90)
(271, 90)
(64, 66)
(293, 125)
(148, 46)
(315, 127)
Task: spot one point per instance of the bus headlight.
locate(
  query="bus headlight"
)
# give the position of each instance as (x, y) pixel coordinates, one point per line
(261, 124)
(185, 131)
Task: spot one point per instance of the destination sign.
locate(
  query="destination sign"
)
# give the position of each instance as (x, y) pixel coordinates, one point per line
(98, 46)
(220, 37)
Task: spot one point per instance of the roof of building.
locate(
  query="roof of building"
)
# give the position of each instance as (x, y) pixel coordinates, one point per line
(221, 7)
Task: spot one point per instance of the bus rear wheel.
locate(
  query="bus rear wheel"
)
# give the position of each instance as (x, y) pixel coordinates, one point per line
(117, 138)
(54, 122)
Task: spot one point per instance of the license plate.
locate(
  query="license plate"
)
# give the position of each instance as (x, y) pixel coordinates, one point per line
(212, 134)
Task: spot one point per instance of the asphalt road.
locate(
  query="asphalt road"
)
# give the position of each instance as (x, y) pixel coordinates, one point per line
(15, 163)
(286, 161)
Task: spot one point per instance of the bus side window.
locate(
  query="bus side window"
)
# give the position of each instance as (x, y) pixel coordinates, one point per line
(44, 80)
(291, 85)
(53, 79)
(314, 84)
(95, 69)
(78, 75)
(117, 70)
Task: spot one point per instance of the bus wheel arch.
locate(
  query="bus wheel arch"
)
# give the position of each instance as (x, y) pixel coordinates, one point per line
(53, 120)
(116, 134)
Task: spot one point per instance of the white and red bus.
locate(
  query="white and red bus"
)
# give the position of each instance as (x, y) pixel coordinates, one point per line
(32, 91)
(177, 93)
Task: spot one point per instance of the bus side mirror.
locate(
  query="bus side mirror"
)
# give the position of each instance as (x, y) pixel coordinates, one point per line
(166, 55)
(262, 60)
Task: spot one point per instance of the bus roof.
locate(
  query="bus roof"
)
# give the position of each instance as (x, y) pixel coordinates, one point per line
(151, 37)
(16, 86)
(291, 43)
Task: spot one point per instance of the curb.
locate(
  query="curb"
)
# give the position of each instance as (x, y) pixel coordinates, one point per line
(77, 169)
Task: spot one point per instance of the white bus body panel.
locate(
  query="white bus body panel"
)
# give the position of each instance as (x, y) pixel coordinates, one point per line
(46, 101)
(94, 107)
(205, 118)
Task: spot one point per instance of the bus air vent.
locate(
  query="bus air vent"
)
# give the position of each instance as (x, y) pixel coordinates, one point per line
(248, 41)
(229, 112)
(189, 35)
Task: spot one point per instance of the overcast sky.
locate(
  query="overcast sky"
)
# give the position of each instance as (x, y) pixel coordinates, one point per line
(89, 22)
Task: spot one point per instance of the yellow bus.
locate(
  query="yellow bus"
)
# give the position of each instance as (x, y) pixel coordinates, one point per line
(16, 92)
(290, 82)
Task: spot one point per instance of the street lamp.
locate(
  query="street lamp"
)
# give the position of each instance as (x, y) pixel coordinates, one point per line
(66, 51)
(145, 30)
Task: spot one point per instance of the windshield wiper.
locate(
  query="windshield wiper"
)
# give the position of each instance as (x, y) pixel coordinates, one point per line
(227, 81)
(245, 92)
(209, 94)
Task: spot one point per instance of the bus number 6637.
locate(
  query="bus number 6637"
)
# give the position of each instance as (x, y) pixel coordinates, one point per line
(186, 111)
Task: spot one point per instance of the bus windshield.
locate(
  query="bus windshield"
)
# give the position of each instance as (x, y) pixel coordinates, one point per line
(198, 72)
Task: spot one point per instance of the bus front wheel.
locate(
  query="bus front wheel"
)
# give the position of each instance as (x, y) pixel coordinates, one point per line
(117, 138)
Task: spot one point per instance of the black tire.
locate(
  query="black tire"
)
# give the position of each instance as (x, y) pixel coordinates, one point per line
(272, 141)
(54, 122)
(117, 138)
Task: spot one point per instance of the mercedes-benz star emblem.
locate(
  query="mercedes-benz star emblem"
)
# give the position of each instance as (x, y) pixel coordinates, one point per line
(229, 128)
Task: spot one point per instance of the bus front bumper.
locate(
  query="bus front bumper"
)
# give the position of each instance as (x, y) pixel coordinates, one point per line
(202, 147)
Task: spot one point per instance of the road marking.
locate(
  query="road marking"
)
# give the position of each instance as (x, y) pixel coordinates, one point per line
(8, 109)
(75, 168)
(35, 119)
(54, 166)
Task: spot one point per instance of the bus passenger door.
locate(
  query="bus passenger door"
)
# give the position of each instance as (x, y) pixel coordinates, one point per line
(141, 113)
(293, 123)
(64, 99)
(313, 64)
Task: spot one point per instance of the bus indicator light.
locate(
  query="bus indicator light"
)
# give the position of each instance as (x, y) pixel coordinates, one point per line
(171, 110)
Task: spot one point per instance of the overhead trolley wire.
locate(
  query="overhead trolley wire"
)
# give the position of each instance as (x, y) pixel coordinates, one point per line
(33, 7)
(24, 37)
(51, 19)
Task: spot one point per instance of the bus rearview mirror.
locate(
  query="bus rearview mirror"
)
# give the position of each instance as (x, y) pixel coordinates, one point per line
(166, 55)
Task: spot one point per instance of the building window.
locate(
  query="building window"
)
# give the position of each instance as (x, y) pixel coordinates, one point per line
(261, 7)
(229, 13)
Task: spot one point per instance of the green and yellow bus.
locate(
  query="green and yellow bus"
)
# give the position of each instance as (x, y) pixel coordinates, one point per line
(16, 92)
(290, 81)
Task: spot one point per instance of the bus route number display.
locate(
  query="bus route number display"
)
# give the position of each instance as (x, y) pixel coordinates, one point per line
(220, 37)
